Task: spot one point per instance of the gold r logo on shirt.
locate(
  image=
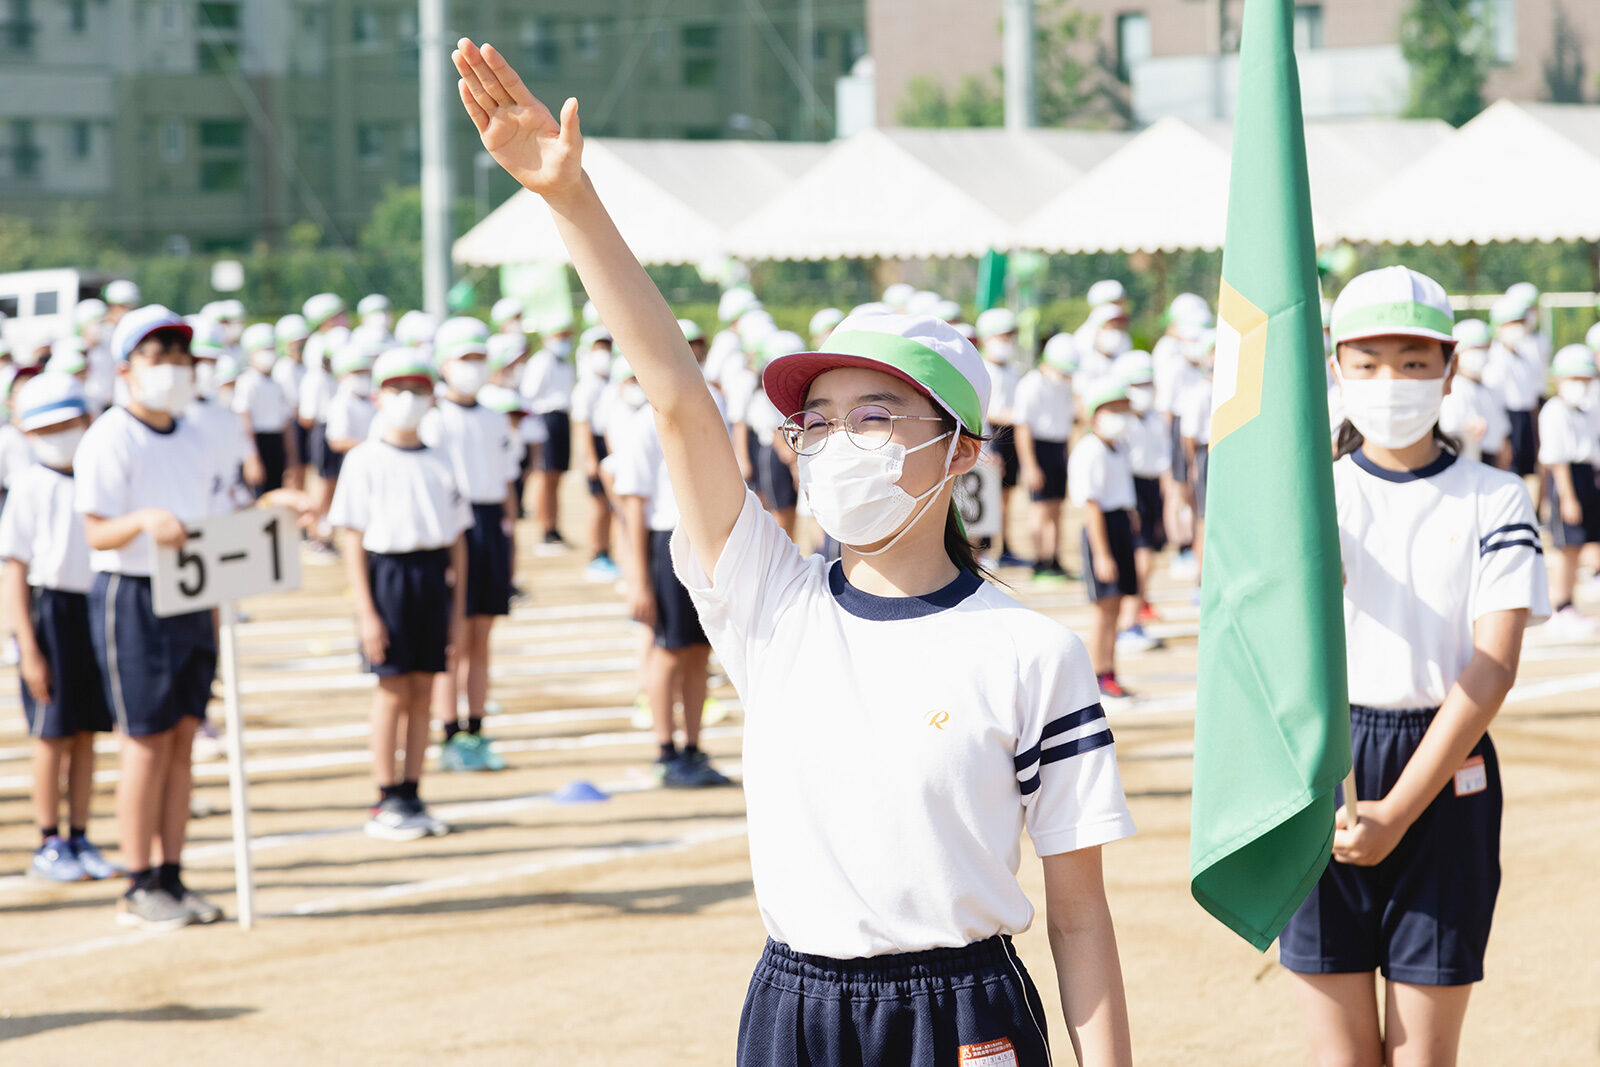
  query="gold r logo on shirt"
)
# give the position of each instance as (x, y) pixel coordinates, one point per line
(937, 719)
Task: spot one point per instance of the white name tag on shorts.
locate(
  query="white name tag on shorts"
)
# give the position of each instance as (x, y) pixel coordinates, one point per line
(1472, 778)
(997, 1053)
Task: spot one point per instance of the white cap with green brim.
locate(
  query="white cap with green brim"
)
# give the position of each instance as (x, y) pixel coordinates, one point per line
(462, 335)
(399, 364)
(91, 310)
(1471, 333)
(996, 321)
(504, 310)
(1061, 353)
(506, 348)
(292, 328)
(780, 344)
(322, 307)
(735, 302)
(1524, 293)
(1573, 361)
(621, 370)
(927, 353)
(691, 330)
(372, 303)
(353, 358)
(592, 336)
(825, 320)
(228, 368)
(1392, 302)
(1107, 291)
(1135, 368)
(924, 302)
(257, 337)
(415, 328)
(69, 355)
(1592, 338)
(1507, 309)
(1106, 391)
(207, 342)
(899, 294)
(1189, 309)
(502, 399)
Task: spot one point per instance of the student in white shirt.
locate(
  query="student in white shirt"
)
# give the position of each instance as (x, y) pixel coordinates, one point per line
(486, 459)
(1473, 413)
(1517, 372)
(293, 332)
(1044, 416)
(589, 395)
(1569, 452)
(45, 590)
(1443, 572)
(547, 387)
(765, 460)
(1150, 455)
(374, 313)
(259, 398)
(997, 340)
(1192, 410)
(886, 646)
(1100, 474)
(402, 515)
(215, 417)
(351, 411)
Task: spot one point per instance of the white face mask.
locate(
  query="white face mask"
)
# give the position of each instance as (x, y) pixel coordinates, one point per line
(1141, 397)
(597, 363)
(1001, 352)
(404, 411)
(1575, 392)
(1112, 342)
(263, 360)
(1511, 334)
(164, 387)
(1111, 425)
(855, 494)
(56, 449)
(360, 383)
(1392, 412)
(632, 395)
(466, 376)
(1471, 361)
(559, 346)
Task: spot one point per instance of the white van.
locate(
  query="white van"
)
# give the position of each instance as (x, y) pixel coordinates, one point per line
(38, 304)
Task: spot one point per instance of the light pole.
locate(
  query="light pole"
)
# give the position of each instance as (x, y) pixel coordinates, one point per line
(432, 53)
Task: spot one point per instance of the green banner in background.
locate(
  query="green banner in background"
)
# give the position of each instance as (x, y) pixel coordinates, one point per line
(542, 288)
(991, 280)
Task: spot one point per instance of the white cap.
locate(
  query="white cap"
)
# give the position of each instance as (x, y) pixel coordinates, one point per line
(358, 354)
(322, 307)
(949, 310)
(87, 311)
(47, 399)
(506, 348)
(257, 337)
(228, 369)
(69, 355)
(1393, 302)
(996, 321)
(207, 340)
(292, 327)
(823, 322)
(1506, 309)
(1471, 333)
(1106, 291)
(140, 323)
(415, 328)
(899, 295)
(1592, 338)
(504, 310)
(459, 336)
(781, 343)
(230, 311)
(1190, 309)
(924, 302)
(754, 329)
(1573, 361)
(735, 302)
(872, 307)
(1135, 368)
(372, 303)
(1061, 352)
(593, 336)
(691, 330)
(967, 330)
(1524, 293)
(591, 314)
(500, 398)
(1101, 314)
(121, 292)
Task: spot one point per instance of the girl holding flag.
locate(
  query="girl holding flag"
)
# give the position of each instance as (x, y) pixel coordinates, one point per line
(1443, 572)
(885, 870)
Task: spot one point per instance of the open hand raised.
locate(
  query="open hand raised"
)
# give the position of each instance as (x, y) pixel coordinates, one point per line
(516, 129)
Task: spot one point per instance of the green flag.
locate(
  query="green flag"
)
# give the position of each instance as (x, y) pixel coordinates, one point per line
(1272, 722)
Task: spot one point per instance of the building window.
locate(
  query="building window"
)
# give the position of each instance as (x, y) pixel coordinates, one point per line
(406, 33)
(364, 29)
(25, 151)
(17, 26)
(221, 175)
(82, 139)
(169, 20)
(1133, 42)
(701, 36)
(1499, 20)
(1307, 26)
(700, 55)
(219, 15)
(411, 152)
(540, 49)
(78, 14)
(586, 41)
(221, 133)
(171, 141)
(369, 144)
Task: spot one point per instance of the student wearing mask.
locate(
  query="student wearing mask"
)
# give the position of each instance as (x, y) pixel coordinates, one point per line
(1569, 452)
(1044, 416)
(1473, 413)
(997, 340)
(1150, 457)
(1517, 373)
(268, 411)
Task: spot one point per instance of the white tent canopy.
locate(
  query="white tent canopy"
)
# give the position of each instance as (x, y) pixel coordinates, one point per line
(1514, 173)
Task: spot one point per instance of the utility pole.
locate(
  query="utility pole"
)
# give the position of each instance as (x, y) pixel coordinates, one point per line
(1018, 53)
(432, 54)
(806, 45)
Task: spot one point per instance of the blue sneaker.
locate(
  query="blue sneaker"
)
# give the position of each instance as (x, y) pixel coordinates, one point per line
(1011, 559)
(54, 862)
(470, 752)
(453, 755)
(93, 863)
(693, 771)
(488, 758)
(602, 569)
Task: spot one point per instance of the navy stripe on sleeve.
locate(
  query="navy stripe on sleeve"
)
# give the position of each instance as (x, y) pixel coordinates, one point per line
(1070, 721)
(1521, 542)
(1515, 527)
(1076, 747)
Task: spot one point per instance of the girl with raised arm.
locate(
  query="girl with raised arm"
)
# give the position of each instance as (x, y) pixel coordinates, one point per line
(904, 720)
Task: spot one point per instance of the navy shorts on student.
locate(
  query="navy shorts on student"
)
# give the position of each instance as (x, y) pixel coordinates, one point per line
(411, 592)
(774, 480)
(1152, 532)
(1005, 446)
(1422, 915)
(556, 455)
(302, 440)
(937, 1008)
(596, 486)
(1565, 534)
(274, 461)
(1052, 459)
(488, 562)
(1524, 437)
(677, 623)
(77, 691)
(1119, 531)
(329, 462)
(156, 671)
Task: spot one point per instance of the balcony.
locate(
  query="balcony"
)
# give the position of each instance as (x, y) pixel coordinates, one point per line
(1334, 83)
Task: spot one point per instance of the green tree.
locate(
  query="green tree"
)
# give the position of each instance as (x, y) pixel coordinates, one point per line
(1446, 45)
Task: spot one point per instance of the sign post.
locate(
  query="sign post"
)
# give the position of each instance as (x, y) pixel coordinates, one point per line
(227, 558)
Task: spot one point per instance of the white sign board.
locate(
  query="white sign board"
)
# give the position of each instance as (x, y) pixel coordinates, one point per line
(978, 500)
(228, 558)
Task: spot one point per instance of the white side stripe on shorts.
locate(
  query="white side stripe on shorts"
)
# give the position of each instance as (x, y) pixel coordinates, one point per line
(113, 675)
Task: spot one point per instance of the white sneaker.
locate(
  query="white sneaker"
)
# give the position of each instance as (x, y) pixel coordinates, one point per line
(1135, 640)
(1569, 624)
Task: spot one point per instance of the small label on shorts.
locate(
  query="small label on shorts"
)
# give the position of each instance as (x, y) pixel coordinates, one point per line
(1472, 777)
(997, 1053)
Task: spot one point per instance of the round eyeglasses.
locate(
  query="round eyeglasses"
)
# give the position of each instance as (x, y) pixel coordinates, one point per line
(868, 427)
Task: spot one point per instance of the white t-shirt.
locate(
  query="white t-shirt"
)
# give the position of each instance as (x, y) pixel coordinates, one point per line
(316, 392)
(400, 499)
(1426, 554)
(1099, 473)
(1044, 405)
(638, 467)
(288, 373)
(586, 396)
(40, 527)
(1149, 446)
(892, 747)
(15, 455)
(124, 465)
(1170, 368)
(1516, 374)
(747, 402)
(102, 384)
(1466, 401)
(349, 416)
(1193, 409)
(482, 449)
(1094, 367)
(263, 401)
(547, 383)
(724, 356)
(1003, 381)
(1568, 434)
(226, 431)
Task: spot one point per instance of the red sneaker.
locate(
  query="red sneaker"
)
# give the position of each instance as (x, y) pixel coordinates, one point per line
(1111, 689)
(1148, 613)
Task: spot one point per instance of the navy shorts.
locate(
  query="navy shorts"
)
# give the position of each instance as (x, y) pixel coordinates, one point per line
(1422, 916)
(412, 593)
(1180, 461)
(556, 455)
(327, 460)
(1052, 459)
(598, 440)
(77, 691)
(1119, 531)
(1152, 532)
(1005, 446)
(488, 562)
(302, 440)
(677, 622)
(155, 670)
(1202, 457)
(774, 480)
(1524, 439)
(936, 1008)
(274, 461)
(1575, 534)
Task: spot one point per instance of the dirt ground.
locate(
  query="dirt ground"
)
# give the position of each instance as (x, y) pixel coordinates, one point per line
(624, 932)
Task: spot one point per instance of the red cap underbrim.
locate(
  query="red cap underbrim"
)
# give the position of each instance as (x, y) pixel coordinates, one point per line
(787, 378)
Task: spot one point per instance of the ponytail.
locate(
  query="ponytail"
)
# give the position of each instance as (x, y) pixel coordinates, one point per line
(957, 545)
